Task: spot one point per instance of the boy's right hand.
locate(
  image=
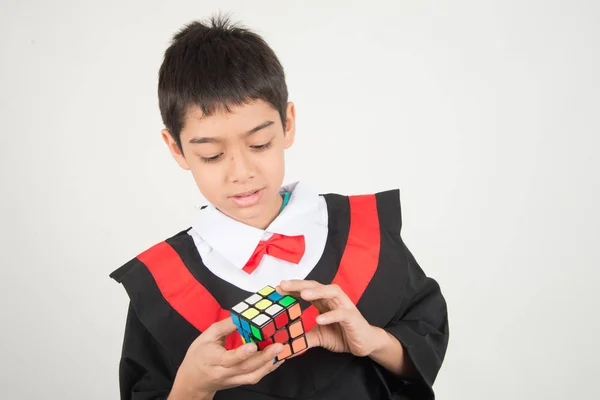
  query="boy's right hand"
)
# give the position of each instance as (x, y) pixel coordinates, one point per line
(209, 367)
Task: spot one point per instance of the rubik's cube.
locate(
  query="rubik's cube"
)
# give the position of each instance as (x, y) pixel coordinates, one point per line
(267, 317)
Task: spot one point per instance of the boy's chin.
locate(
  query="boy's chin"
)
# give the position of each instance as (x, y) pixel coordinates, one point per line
(257, 216)
(240, 213)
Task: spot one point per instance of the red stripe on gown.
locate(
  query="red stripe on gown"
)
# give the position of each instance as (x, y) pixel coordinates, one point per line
(361, 255)
(183, 292)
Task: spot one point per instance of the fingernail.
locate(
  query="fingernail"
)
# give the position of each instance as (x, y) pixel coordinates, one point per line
(250, 348)
(320, 319)
(307, 293)
(278, 349)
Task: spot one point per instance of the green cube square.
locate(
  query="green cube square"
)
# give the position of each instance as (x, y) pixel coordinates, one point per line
(287, 300)
(256, 333)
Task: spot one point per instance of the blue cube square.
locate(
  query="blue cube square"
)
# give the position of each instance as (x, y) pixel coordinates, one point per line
(235, 320)
(245, 326)
(274, 297)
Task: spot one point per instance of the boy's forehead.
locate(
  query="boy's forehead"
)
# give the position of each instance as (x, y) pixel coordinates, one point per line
(238, 119)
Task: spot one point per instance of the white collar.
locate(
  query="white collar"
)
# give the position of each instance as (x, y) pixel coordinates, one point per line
(237, 241)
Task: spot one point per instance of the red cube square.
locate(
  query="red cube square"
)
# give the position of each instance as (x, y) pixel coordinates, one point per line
(264, 343)
(281, 320)
(281, 336)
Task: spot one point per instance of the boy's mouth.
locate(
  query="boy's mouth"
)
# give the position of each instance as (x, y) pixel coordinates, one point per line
(247, 199)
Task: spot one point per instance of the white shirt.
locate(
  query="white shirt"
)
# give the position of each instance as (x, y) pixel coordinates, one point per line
(225, 244)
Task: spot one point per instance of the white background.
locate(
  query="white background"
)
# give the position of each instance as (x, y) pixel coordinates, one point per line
(484, 113)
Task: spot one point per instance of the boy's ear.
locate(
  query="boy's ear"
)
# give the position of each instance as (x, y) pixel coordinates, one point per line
(290, 126)
(174, 149)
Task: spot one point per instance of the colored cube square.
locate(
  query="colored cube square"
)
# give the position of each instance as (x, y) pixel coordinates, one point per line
(250, 313)
(267, 290)
(275, 296)
(294, 311)
(285, 353)
(274, 310)
(281, 320)
(240, 308)
(255, 298)
(296, 328)
(264, 344)
(256, 333)
(281, 336)
(245, 325)
(236, 320)
(263, 304)
(299, 344)
(287, 300)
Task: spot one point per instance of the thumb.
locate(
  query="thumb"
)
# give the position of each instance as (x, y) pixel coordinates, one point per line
(218, 330)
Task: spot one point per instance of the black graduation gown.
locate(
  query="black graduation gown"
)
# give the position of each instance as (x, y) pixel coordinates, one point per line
(364, 254)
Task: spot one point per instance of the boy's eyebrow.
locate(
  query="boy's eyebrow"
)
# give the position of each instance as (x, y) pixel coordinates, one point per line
(200, 140)
(259, 127)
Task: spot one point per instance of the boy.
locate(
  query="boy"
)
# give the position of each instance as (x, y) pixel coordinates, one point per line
(376, 325)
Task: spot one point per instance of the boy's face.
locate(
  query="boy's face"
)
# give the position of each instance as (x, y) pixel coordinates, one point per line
(237, 158)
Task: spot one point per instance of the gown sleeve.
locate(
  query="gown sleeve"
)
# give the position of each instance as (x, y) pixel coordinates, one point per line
(421, 326)
(145, 371)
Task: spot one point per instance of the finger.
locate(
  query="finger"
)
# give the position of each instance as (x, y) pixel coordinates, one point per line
(327, 292)
(255, 361)
(320, 305)
(255, 376)
(294, 287)
(298, 285)
(340, 315)
(286, 293)
(218, 330)
(312, 339)
(233, 357)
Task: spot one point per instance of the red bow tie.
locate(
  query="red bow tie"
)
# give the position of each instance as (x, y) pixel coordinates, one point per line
(287, 248)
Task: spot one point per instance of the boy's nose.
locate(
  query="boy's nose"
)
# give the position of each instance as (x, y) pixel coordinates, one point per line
(240, 169)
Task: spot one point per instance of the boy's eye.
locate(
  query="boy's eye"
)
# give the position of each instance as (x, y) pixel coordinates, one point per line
(211, 159)
(262, 146)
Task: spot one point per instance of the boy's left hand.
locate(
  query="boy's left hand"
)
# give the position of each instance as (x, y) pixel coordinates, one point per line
(340, 326)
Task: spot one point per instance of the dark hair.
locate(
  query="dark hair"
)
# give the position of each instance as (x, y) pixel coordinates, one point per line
(214, 66)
